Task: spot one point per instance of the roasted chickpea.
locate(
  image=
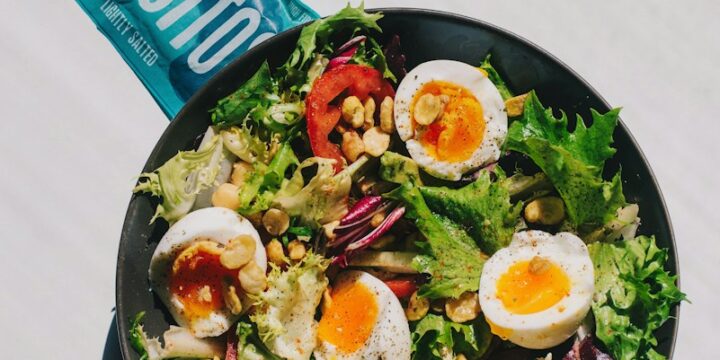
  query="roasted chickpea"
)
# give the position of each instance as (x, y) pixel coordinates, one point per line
(226, 195)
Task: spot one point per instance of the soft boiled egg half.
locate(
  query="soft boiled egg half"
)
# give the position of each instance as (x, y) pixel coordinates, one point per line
(363, 320)
(451, 117)
(186, 271)
(537, 291)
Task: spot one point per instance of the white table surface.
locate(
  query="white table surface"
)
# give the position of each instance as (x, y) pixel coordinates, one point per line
(76, 126)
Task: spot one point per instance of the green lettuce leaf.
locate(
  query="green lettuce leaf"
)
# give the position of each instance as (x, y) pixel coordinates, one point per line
(249, 101)
(250, 346)
(275, 102)
(138, 338)
(572, 160)
(369, 53)
(483, 208)
(181, 178)
(265, 181)
(435, 337)
(496, 79)
(316, 35)
(247, 146)
(399, 169)
(259, 103)
(633, 296)
(449, 255)
(323, 198)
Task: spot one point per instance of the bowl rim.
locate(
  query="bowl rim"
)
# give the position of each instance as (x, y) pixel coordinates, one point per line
(120, 312)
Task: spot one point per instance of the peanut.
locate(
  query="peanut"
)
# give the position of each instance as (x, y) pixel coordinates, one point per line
(276, 222)
(252, 278)
(353, 111)
(296, 250)
(231, 298)
(464, 308)
(538, 265)
(417, 307)
(369, 114)
(387, 123)
(548, 210)
(377, 219)
(427, 108)
(275, 253)
(238, 252)
(352, 145)
(376, 141)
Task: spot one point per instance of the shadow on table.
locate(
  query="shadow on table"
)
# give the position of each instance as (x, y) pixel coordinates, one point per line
(112, 343)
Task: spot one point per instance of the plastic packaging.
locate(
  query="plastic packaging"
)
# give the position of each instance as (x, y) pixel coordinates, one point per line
(175, 46)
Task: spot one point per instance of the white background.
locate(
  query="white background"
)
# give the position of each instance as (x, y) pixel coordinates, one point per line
(76, 126)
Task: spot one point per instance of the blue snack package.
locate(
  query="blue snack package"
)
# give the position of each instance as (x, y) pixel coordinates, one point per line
(175, 46)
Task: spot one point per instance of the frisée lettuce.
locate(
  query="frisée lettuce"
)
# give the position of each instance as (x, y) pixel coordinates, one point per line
(285, 311)
(181, 178)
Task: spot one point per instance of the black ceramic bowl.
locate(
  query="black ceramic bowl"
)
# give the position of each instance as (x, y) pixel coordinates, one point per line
(425, 35)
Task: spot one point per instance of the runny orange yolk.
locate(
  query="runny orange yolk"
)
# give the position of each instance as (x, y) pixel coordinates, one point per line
(197, 278)
(460, 129)
(350, 319)
(528, 287)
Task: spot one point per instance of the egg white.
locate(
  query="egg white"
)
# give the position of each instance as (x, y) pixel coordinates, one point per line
(214, 224)
(484, 91)
(390, 337)
(552, 326)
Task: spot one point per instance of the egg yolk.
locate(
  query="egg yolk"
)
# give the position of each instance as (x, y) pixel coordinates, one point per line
(350, 319)
(459, 131)
(197, 278)
(532, 286)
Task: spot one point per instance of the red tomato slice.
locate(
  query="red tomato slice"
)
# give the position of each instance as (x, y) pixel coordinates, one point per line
(402, 288)
(322, 116)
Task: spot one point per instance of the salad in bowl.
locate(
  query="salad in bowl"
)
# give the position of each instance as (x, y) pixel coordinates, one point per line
(344, 206)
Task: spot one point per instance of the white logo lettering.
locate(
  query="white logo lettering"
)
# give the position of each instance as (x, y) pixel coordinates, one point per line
(176, 13)
(191, 31)
(154, 5)
(202, 67)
